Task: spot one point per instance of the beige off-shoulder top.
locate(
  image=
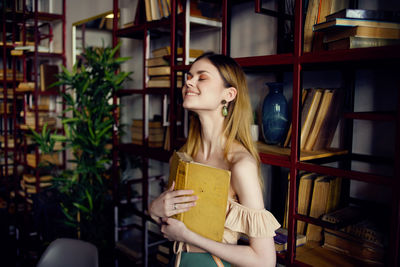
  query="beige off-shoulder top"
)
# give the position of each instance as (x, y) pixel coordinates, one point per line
(250, 222)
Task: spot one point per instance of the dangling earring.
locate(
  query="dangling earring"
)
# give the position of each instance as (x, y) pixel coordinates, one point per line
(224, 108)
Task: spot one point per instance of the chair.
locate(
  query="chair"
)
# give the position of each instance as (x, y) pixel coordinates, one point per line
(66, 252)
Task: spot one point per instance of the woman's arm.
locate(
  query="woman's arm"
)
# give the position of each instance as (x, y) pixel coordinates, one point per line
(261, 251)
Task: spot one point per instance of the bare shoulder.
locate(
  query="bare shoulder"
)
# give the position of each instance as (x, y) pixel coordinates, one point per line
(245, 178)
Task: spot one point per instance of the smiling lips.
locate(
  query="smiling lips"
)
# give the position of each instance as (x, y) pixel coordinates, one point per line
(191, 93)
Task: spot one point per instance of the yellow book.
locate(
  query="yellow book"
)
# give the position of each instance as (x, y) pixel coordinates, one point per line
(320, 117)
(211, 186)
(319, 202)
(309, 112)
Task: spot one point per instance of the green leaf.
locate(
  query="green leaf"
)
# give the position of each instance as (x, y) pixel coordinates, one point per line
(89, 198)
(81, 207)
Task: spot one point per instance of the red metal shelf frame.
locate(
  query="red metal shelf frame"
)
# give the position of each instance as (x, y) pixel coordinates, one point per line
(296, 62)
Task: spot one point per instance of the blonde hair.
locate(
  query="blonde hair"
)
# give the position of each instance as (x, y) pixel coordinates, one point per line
(237, 123)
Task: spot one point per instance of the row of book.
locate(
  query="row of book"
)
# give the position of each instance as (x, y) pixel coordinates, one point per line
(158, 67)
(10, 75)
(320, 115)
(156, 133)
(317, 195)
(158, 9)
(28, 183)
(355, 28)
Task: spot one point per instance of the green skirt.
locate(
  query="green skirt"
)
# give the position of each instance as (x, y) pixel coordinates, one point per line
(192, 259)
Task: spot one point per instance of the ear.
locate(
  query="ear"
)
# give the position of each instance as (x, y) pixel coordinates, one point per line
(230, 94)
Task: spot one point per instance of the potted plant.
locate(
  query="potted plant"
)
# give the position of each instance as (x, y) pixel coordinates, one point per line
(83, 187)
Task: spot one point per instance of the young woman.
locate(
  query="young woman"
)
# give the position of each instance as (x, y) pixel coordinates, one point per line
(216, 91)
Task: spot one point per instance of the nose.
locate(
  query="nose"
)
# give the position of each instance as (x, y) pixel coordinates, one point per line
(189, 82)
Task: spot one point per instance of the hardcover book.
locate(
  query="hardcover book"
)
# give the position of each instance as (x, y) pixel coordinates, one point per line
(360, 42)
(361, 31)
(211, 186)
(281, 240)
(349, 13)
(344, 22)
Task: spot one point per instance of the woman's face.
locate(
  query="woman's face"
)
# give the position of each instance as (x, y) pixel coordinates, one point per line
(204, 88)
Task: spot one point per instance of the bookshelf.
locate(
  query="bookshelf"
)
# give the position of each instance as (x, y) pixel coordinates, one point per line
(295, 66)
(33, 37)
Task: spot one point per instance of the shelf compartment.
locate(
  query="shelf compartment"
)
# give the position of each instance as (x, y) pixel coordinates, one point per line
(127, 92)
(283, 154)
(151, 91)
(205, 22)
(263, 61)
(135, 32)
(46, 55)
(366, 55)
(315, 255)
(148, 152)
(373, 116)
(350, 174)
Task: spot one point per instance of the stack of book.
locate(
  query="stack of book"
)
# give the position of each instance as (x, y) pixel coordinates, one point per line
(43, 118)
(158, 9)
(164, 254)
(7, 108)
(25, 87)
(44, 159)
(156, 133)
(281, 240)
(362, 238)
(320, 115)
(317, 195)
(159, 70)
(28, 183)
(9, 75)
(356, 28)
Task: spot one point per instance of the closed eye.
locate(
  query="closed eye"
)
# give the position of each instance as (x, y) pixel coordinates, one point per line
(202, 77)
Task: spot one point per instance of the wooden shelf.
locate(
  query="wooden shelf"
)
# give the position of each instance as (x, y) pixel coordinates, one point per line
(315, 255)
(304, 155)
(366, 55)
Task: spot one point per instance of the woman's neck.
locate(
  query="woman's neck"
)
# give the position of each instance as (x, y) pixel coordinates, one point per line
(211, 134)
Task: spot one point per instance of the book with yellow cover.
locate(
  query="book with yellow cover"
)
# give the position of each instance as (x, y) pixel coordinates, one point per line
(211, 186)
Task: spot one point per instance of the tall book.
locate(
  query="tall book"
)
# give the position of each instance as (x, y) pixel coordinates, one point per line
(308, 114)
(331, 121)
(319, 201)
(311, 19)
(323, 10)
(48, 77)
(289, 133)
(320, 117)
(304, 198)
(211, 186)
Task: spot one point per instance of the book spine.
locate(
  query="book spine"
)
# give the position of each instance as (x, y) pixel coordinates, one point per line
(181, 181)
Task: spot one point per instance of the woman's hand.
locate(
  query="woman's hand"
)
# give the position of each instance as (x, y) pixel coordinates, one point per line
(172, 202)
(173, 229)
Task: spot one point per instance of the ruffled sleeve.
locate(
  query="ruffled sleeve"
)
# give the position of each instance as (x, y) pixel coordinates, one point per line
(251, 222)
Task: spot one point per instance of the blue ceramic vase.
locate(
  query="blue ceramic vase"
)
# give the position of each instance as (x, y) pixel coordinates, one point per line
(274, 114)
